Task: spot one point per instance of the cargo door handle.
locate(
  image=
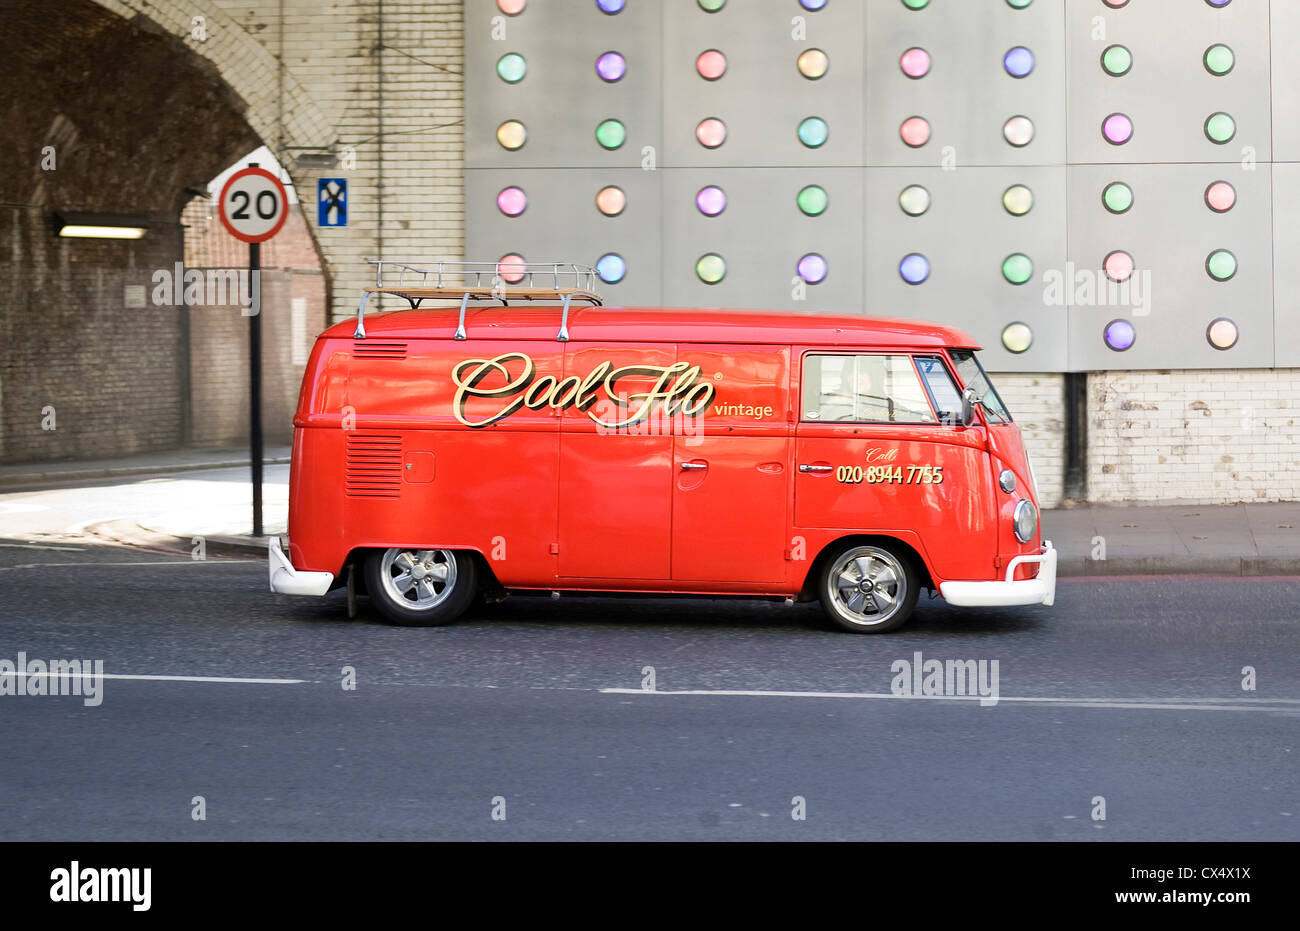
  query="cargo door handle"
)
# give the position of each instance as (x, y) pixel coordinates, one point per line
(694, 466)
(804, 467)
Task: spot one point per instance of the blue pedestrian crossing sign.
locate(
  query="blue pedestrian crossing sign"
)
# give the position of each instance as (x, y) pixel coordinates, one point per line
(332, 202)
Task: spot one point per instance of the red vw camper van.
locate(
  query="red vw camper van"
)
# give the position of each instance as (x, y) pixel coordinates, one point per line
(529, 438)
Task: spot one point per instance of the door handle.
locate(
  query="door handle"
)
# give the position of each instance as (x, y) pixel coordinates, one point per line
(694, 466)
(804, 467)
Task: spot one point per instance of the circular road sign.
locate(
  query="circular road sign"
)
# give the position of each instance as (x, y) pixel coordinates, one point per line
(253, 205)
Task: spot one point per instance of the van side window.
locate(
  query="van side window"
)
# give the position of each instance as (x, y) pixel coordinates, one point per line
(947, 399)
(863, 389)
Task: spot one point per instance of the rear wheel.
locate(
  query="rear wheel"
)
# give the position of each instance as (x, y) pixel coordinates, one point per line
(420, 588)
(869, 588)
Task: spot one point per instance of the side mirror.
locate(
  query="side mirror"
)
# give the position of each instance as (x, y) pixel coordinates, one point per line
(968, 402)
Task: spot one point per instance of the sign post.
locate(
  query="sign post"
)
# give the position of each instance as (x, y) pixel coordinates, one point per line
(253, 207)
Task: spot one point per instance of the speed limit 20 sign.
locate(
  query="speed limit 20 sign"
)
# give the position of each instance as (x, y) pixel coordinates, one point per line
(253, 205)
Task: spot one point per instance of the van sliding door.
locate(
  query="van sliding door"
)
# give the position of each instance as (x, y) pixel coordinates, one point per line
(615, 505)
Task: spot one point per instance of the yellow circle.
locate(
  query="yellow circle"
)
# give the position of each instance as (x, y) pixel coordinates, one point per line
(813, 63)
(512, 134)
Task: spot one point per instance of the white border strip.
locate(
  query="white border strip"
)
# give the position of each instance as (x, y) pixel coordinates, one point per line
(1215, 704)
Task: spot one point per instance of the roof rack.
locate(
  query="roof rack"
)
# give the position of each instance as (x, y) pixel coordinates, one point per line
(482, 281)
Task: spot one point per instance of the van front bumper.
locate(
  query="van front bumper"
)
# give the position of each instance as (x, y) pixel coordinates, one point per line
(286, 580)
(1039, 591)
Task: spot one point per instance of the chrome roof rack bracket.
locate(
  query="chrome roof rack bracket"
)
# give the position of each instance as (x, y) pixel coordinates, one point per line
(563, 335)
(360, 332)
(460, 324)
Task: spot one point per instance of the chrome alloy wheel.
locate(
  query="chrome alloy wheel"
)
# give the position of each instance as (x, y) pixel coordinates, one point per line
(867, 586)
(418, 579)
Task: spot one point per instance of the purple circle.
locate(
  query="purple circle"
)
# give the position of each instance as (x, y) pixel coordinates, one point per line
(1120, 335)
(610, 6)
(1117, 129)
(611, 66)
(1218, 3)
(1018, 62)
(914, 268)
(711, 201)
(812, 268)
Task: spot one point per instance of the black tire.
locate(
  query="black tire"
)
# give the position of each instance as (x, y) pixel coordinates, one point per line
(442, 585)
(869, 588)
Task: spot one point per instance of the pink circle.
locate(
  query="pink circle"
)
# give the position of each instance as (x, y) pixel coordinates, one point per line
(711, 65)
(511, 268)
(915, 131)
(915, 63)
(1220, 196)
(511, 7)
(1118, 129)
(512, 201)
(711, 133)
(1118, 266)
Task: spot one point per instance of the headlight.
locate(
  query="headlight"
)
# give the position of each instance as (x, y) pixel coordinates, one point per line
(1026, 519)
(1007, 481)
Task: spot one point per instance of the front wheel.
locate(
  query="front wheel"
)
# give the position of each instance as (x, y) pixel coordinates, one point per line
(869, 589)
(420, 588)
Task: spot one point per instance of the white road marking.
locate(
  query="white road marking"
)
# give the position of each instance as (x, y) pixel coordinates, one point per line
(87, 675)
(1194, 704)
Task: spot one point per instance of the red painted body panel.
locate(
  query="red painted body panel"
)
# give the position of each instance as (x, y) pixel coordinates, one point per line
(621, 461)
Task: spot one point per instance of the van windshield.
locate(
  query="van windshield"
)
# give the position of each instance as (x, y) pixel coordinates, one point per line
(973, 376)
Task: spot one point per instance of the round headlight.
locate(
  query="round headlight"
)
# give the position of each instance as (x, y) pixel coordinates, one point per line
(1007, 481)
(1026, 518)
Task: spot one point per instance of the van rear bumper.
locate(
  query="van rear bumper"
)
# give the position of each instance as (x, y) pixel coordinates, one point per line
(286, 580)
(1039, 591)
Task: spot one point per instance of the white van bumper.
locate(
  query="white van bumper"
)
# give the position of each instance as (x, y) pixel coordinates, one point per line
(286, 580)
(1039, 591)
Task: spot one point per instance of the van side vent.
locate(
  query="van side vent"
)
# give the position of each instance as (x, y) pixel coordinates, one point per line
(374, 466)
(370, 349)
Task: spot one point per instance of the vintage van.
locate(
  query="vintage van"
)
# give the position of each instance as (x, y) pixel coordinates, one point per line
(531, 439)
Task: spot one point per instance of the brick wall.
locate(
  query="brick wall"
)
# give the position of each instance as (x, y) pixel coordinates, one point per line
(219, 335)
(1200, 437)
(110, 373)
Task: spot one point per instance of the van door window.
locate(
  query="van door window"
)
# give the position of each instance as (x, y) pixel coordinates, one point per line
(943, 390)
(863, 389)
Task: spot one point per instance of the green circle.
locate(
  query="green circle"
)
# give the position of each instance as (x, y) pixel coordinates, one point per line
(1017, 268)
(1019, 4)
(916, 4)
(511, 67)
(712, 6)
(1221, 264)
(1117, 197)
(813, 200)
(1117, 61)
(1220, 128)
(1219, 59)
(813, 132)
(611, 134)
(1018, 200)
(914, 200)
(711, 268)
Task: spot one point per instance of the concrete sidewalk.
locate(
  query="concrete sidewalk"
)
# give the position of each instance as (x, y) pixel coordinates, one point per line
(166, 500)
(1238, 539)
(57, 474)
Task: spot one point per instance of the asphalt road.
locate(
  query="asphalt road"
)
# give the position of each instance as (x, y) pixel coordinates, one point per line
(1129, 689)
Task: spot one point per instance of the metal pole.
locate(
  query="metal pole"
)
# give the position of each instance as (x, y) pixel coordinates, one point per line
(255, 386)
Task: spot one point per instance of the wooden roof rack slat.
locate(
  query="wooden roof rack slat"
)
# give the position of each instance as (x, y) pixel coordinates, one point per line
(483, 281)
